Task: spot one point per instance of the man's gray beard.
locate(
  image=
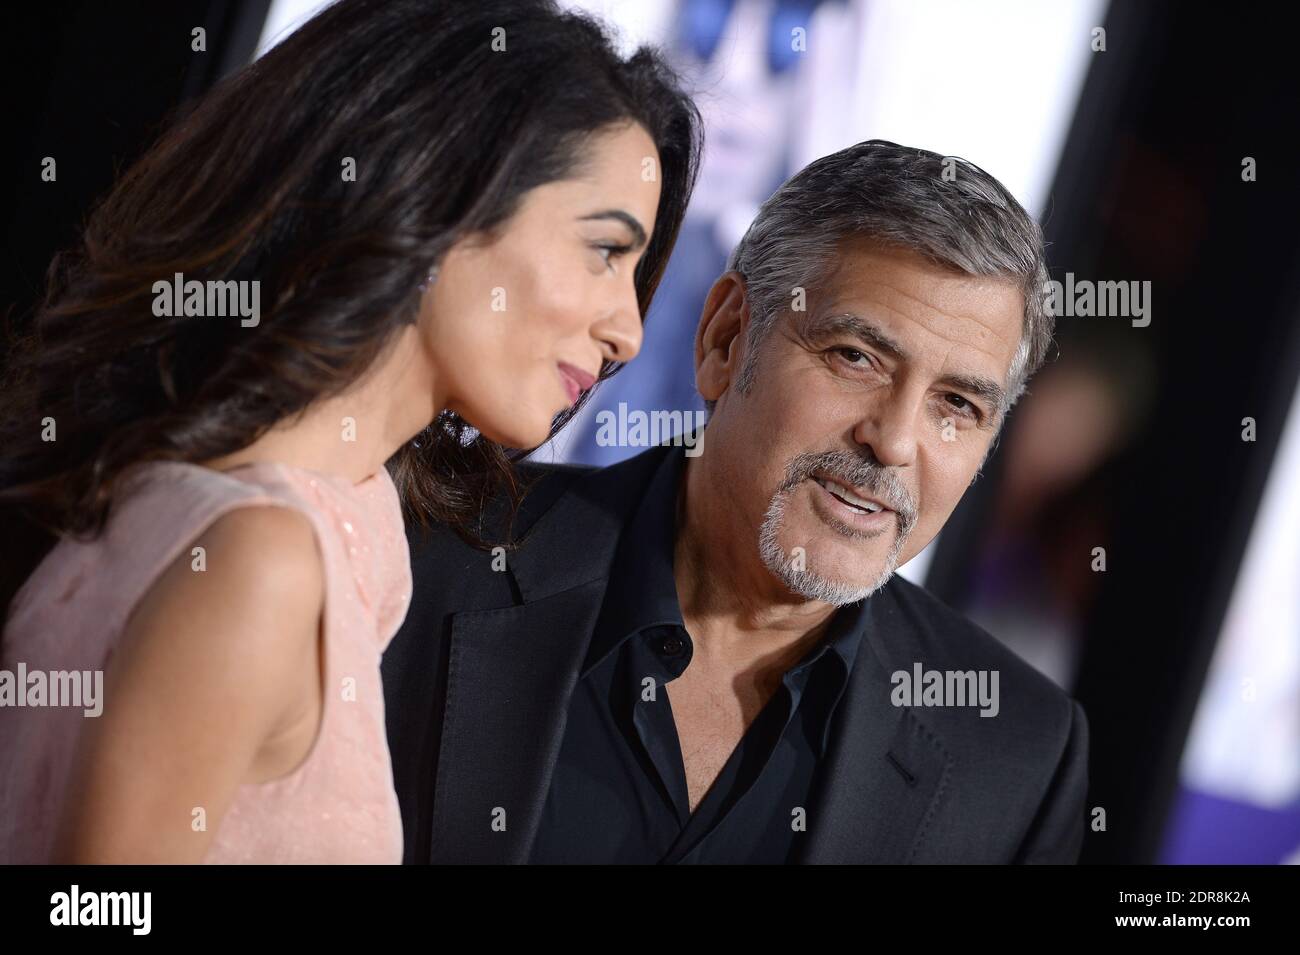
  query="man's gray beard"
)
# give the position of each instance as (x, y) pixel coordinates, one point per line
(807, 582)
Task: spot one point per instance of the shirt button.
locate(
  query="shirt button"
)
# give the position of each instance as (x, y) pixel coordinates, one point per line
(671, 646)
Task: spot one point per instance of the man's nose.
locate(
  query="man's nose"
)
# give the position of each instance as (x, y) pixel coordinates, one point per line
(889, 429)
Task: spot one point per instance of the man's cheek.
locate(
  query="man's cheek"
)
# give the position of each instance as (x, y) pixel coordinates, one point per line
(934, 513)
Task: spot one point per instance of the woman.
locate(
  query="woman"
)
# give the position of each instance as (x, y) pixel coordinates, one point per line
(443, 220)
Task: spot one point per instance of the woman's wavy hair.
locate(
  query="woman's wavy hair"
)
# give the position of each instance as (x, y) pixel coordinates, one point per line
(452, 110)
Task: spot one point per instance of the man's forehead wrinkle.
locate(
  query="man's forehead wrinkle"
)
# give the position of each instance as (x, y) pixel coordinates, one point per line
(943, 363)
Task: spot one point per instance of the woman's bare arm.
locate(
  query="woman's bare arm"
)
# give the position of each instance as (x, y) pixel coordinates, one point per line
(211, 665)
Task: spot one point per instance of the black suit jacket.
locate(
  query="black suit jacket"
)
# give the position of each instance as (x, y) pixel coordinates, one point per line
(477, 685)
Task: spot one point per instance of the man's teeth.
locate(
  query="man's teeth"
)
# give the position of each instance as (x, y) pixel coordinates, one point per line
(847, 496)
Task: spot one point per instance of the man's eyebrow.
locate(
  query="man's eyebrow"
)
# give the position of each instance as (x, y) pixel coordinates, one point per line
(861, 329)
(866, 331)
(638, 231)
(985, 388)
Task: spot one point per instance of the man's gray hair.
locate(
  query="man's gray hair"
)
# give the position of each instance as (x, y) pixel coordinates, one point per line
(897, 195)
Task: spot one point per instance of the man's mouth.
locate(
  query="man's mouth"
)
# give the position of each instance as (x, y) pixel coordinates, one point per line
(849, 496)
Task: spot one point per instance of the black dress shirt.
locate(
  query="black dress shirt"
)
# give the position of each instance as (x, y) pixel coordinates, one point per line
(618, 793)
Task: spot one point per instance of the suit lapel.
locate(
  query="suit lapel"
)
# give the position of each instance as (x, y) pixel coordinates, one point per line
(884, 768)
(510, 675)
(512, 671)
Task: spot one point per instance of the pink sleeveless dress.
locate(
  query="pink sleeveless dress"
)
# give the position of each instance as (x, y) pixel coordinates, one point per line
(339, 805)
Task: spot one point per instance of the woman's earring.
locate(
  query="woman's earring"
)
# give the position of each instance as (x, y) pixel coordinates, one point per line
(423, 287)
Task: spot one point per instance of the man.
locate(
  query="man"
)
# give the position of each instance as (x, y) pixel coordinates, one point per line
(709, 658)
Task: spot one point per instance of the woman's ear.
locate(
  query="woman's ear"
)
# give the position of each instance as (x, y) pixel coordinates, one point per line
(720, 337)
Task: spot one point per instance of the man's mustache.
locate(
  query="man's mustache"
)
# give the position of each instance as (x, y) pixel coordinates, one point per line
(880, 482)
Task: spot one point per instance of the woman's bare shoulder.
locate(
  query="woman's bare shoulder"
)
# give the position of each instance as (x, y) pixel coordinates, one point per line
(241, 614)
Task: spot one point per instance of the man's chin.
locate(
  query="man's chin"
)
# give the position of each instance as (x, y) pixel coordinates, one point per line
(803, 547)
(841, 558)
(832, 583)
(839, 593)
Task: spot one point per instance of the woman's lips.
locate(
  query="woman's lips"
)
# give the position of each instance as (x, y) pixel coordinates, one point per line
(576, 381)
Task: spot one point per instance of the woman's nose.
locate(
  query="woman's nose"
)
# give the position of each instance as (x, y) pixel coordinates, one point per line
(620, 334)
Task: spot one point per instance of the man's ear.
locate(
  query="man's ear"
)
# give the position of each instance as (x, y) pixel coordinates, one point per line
(720, 337)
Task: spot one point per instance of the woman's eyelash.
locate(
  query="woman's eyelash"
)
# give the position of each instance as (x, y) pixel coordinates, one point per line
(612, 249)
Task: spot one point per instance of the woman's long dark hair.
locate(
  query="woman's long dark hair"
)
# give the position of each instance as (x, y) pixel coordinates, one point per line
(451, 110)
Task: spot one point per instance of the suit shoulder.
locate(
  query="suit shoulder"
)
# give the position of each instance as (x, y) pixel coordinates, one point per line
(942, 638)
(1006, 752)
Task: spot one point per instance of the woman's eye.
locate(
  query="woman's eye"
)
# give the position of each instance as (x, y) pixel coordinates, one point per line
(609, 252)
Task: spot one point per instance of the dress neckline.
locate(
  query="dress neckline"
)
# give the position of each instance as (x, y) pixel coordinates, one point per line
(337, 480)
(309, 474)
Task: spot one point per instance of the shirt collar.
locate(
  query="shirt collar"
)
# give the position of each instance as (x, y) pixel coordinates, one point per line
(840, 644)
(842, 637)
(642, 590)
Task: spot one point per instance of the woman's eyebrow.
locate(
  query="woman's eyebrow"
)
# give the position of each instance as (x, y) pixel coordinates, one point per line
(638, 232)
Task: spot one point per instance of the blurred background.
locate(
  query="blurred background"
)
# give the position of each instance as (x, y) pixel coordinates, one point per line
(1155, 142)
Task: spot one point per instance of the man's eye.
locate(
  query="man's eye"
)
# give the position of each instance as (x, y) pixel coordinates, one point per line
(963, 405)
(851, 355)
